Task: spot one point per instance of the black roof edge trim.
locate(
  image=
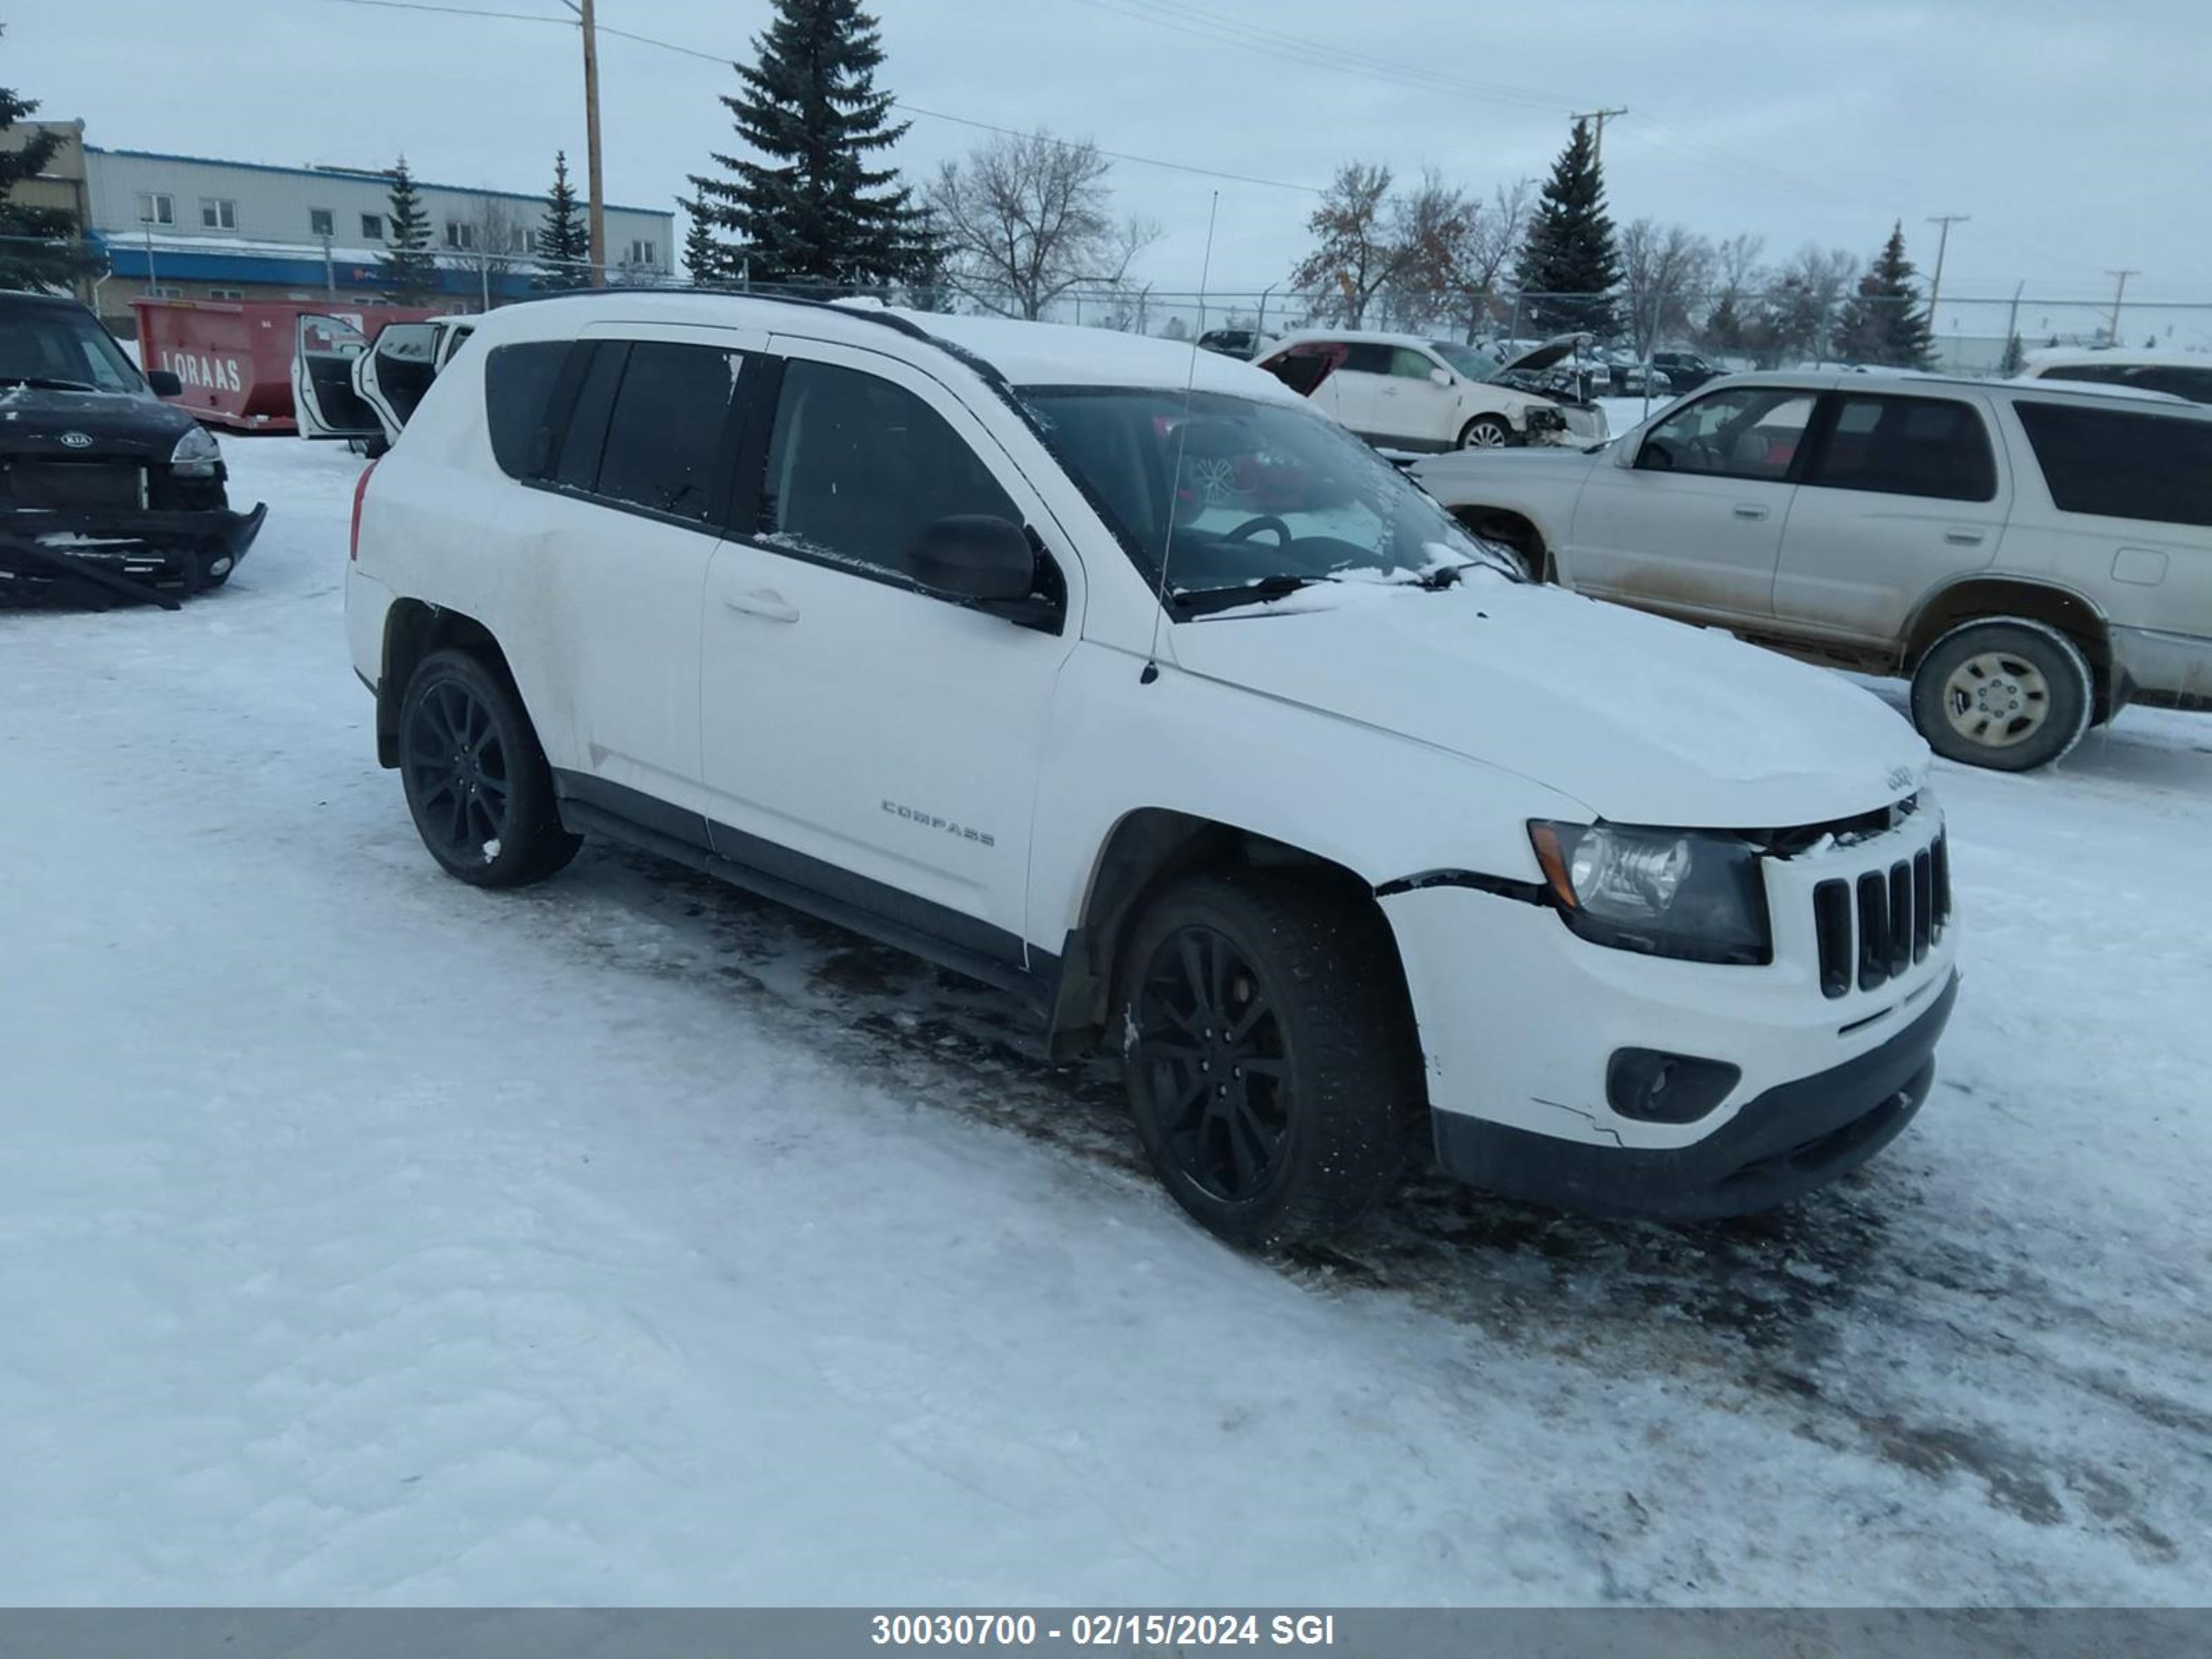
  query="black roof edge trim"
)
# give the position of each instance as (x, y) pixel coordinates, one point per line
(882, 316)
(1528, 892)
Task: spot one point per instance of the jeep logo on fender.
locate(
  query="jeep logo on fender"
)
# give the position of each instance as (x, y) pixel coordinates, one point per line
(930, 821)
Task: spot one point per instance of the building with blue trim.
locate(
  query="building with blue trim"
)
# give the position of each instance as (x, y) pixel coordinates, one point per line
(190, 226)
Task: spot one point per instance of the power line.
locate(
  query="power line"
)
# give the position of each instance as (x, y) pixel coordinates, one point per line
(905, 105)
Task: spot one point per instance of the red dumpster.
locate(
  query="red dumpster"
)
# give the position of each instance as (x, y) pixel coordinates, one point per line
(236, 357)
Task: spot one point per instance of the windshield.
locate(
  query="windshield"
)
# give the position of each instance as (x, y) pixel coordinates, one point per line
(1470, 361)
(56, 346)
(1269, 497)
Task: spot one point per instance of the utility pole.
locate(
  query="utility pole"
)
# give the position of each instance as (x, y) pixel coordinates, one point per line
(2112, 328)
(1597, 149)
(583, 8)
(1942, 241)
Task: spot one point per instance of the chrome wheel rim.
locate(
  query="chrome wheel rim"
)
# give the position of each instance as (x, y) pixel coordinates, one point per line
(1484, 435)
(1996, 699)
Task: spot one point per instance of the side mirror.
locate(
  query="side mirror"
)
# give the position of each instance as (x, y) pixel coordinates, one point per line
(163, 383)
(1441, 376)
(976, 557)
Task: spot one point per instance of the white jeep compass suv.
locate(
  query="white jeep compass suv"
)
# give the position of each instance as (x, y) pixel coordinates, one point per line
(1282, 788)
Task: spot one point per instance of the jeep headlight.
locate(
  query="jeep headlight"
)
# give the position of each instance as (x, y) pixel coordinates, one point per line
(1688, 893)
(197, 454)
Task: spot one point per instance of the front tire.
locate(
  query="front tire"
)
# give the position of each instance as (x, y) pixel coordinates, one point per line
(1486, 432)
(2008, 694)
(476, 781)
(1272, 1067)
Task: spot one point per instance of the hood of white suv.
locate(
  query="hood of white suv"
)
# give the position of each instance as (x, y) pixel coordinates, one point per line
(1643, 720)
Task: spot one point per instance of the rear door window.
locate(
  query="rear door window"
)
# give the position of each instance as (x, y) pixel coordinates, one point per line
(578, 466)
(2121, 465)
(668, 443)
(1936, 446)
(1366, 357)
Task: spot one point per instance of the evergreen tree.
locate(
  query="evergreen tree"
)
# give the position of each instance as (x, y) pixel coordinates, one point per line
(43, 247)
(564, 240)
(1882, 324)
(407, 265)
(1571, 262)
(1725, 328)
(706, 260)
(2015, 357)
(813, 210)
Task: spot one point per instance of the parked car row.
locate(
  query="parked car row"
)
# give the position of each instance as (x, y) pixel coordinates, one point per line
(2033, 556)
(1406, 393)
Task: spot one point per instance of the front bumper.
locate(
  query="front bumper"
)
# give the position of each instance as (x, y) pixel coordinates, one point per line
(1779, 1146)
(1520, 1020)
(148, 554)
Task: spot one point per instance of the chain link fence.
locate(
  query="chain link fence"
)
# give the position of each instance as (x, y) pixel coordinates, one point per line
(1779, 323)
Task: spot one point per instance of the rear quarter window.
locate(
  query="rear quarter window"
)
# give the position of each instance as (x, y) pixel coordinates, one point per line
(518, 382)
(2120, 464)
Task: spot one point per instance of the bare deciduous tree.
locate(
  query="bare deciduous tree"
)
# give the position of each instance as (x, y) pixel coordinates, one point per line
(1663, 268)
(1429, 230)
(1496, 236)
(1028, 217)
(1357, 252)
(486, 240)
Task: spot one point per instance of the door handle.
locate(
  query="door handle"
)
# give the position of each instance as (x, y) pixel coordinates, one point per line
(1747, 510)
(1963, 538)
(763, 602)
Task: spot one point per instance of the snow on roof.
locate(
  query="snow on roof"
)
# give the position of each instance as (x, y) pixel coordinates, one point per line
(1057, 354)
(2122, 356)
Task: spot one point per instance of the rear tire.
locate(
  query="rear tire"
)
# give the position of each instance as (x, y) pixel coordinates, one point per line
(2006, 693)
(1272, 1067)
(477, 781)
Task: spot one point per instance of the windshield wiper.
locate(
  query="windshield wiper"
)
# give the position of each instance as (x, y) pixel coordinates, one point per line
(1190, 600)
(45, 383)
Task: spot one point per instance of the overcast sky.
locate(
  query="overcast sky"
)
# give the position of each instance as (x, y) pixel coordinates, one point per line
(2075, 134)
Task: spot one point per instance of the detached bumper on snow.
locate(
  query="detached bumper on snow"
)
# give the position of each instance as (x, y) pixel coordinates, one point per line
(148, 555)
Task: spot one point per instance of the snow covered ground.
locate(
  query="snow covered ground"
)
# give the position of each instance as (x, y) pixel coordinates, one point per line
(370, 1239)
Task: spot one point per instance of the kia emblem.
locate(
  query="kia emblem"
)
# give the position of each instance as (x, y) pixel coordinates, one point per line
(77, 440)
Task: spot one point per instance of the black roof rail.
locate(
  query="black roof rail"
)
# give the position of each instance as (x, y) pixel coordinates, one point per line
(879, 314)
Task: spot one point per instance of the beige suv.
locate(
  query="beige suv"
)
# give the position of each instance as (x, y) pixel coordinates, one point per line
(2033, 558)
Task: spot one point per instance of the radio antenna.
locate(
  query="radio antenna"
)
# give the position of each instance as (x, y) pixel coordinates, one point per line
(1182, 436)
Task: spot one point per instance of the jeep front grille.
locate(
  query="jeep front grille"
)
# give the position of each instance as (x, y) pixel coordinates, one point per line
(1872, 930)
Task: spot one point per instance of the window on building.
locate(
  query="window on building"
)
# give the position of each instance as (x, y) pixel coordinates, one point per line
(640, 254)
(218, 213)
(321, 221)
(226, 293)
(372, 227)
(460, 236)
(529, 239)
(156, 208)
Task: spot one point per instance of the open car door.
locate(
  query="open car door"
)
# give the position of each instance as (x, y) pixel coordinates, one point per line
(324, 400)
(396, 369)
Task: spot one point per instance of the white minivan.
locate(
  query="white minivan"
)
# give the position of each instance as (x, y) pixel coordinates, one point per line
(1110, 673)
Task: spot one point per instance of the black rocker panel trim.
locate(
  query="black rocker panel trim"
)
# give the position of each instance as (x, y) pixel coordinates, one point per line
(933, 932)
